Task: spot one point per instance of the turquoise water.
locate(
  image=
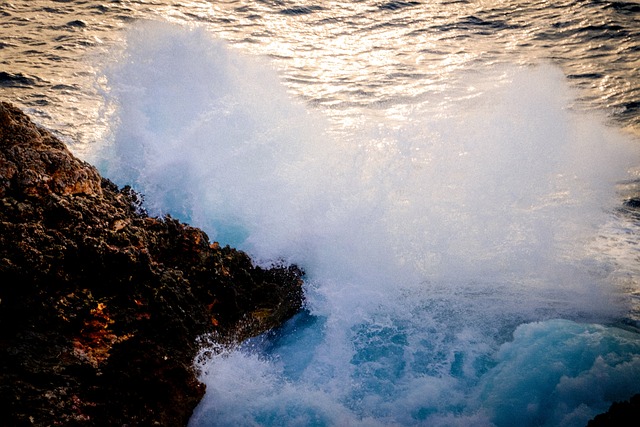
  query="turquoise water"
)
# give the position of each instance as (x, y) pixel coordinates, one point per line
(551, 373)
(449, 175)
(440, 252)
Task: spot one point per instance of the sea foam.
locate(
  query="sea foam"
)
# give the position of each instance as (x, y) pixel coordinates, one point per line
(426, 243)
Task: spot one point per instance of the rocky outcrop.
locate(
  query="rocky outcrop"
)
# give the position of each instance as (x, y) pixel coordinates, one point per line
(620, 414)
(101, 305)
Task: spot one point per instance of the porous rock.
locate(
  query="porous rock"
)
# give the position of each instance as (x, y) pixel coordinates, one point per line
(101, 305)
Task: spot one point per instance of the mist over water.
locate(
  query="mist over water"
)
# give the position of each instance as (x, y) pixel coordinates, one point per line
(453, 268)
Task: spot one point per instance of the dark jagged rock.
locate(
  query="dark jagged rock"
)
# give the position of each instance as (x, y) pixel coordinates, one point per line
(620, 414)
(101, 305)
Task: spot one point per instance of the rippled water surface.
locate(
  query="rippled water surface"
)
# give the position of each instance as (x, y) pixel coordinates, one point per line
(336, 55)
(457, 179)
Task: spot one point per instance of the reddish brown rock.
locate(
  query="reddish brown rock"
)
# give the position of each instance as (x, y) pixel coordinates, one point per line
(101, 305)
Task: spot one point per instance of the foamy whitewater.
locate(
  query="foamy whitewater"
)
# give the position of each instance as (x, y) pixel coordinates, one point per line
(451, 177)
(458, 270)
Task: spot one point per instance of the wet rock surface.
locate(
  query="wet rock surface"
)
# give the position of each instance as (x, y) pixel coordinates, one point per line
(101, 305)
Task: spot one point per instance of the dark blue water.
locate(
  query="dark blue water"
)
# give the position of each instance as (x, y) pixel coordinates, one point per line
(450, 175)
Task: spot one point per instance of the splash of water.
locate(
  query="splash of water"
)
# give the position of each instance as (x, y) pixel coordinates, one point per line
(426, 244)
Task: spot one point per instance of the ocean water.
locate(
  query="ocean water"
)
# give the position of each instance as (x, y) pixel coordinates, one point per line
(451, 176)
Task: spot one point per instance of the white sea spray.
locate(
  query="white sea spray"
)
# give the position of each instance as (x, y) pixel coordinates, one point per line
(425, 244)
